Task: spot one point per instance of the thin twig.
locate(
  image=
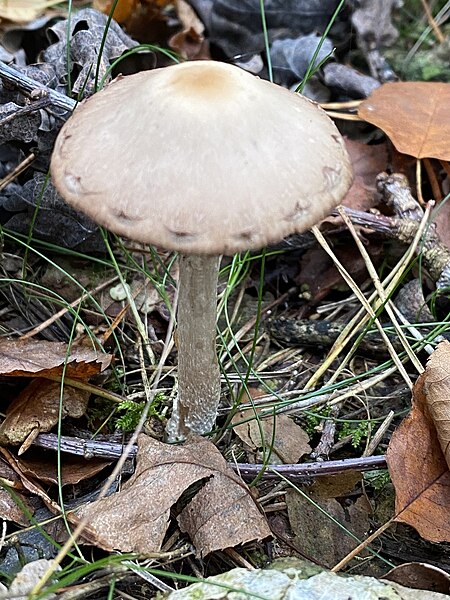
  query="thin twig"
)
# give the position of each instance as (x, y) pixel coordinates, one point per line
(432, 178)
(373, 444)
(20, 168)
(362, 545)
(350, 282)
(432, 22)
(27, 85)
(446, 166)
(66, 309)
(382, 293)
(344, 116)
(113, 450)
(360, 320)
(391, 281)
(330, 399)
(413, 330)
(419, 182)
(80, 384)
(340, 105)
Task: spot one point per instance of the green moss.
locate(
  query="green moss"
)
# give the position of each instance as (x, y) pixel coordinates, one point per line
(132, 412)
(357, 431)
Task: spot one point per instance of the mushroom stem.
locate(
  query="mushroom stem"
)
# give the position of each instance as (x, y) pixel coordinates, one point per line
(195, 408)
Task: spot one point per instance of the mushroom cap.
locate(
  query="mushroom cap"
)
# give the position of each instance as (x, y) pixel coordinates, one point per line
(201, 158)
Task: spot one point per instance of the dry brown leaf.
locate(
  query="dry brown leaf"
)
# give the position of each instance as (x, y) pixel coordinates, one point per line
(289, 443)
(190, 41)
(29, 485)
(420, 576)
(9, 509)
(123, 10)
(136, 518)
(9, 476)
(414, 114)
(29, 358)
(36, 490)
(437, 393)
(43, 467)
(188, 17)
(222, 514)
(36, 409)
(22, 11)
(418, 468)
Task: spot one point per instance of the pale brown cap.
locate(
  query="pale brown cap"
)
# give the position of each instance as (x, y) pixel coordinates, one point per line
(202, 158)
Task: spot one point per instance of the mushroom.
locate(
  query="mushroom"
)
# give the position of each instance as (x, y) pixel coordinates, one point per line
(204, 159)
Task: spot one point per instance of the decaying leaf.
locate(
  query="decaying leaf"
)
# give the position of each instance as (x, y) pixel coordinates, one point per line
(330, 486)
(145, 295)
(414, 114)
(318, 273)
(31, 358)
(135, 519)
(367, 162)
(39, 204)
(21, 11)
(36, 409)
(286, 441)
(315, 534)
(417, 465)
